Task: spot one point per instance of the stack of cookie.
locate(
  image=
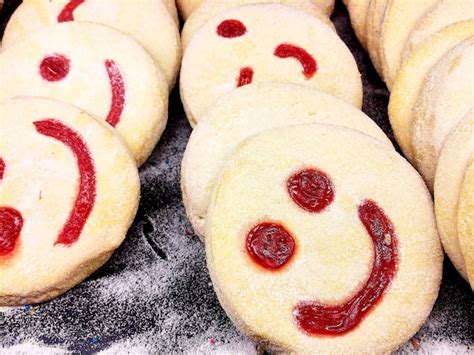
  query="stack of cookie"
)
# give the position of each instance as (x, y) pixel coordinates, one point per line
(424, 52)
(84, 90)
(317, 231)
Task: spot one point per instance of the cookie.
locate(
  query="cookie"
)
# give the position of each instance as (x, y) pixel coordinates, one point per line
(172, 9)
(96, 68)
(466, 221)
(69, 191)
(210, 8)
(358, 13)
(445, 98)
(411, 77)
(457, 151)
(148, 21)
(264, 42)
(375, 17)
(187, 7)
(401, 17)
(445, 13)
(320, 237)
(244, 112)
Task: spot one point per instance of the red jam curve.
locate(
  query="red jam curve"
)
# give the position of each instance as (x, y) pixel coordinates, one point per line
(117, 86)
(85, 198)
(245, 76)
(231, 29)
(286, 50)
(11, 223)
(55, 67)
(311, 189)
(67, 13)
(270, 245)
(318, 319)
(2, 168)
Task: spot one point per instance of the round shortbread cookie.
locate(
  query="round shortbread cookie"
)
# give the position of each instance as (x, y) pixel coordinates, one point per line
(457, 151)
(96, 68)
(265, 42)
(445, 98)
(358, 13)
(244, 112)
(466, 221)
(210, 8)
(187, 7)
(411, 77)
(401, 17)
(69, 190)
(172, 9)
(320, 237)
(445, 13)
(148, 21)
(374, 21)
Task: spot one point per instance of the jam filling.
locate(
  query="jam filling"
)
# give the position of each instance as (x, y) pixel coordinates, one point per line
(286, 50)
(117, 86)
(270, 245)
(231, 29)
(67, 13)
(315, 318)
(245, 76)
(2, 168)
(54, 67)
(86, 195)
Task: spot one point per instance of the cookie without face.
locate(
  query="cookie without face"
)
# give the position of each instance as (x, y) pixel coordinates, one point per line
(411, 77)
(69, 191)
(96, 68)
(321, 238)
(148, 21)
(210, 8)
(445, 13)
(247, 111)
(444, 100)
(375, 18)
(265, 42)
(455, 156)
(358, 13)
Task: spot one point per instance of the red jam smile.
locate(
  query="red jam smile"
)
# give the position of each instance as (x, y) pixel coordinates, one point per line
(118, 92)
(245, 76)
(86, 195)
(315, 318)
(231, 29)
(309, 64)
(311, 189)
(67, 13)
(54, 67)
(270, 245)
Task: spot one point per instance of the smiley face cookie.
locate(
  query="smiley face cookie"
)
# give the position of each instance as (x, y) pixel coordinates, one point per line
(457, 152)
(320, 237)
(148, 21)
(265, 42)
(444, 100)
(410, 79)
(96, 68)
(244, 112)
(69, 191)
(210, 8)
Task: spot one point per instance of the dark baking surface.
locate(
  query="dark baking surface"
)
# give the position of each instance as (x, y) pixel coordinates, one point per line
(155, 295)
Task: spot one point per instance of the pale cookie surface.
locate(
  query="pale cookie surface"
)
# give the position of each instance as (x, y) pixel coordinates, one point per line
(445, 98)
(445, 13)
(466, 221)
(322, 238)
(210, 8)
(265, 42)
(244, 112)
(69, 191)
(457, 151)
(358, 14)
(375, 18)
(412, 75)
(400, 18)
(96, 68)
(148, 21)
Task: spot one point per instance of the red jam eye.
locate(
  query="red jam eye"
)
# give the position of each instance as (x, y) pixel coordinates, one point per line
(231, 29)
(55, 67)
(270, 245)
(11, 223)
(245, 76)
(311, 189)
(307, 61)
(2, 168)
